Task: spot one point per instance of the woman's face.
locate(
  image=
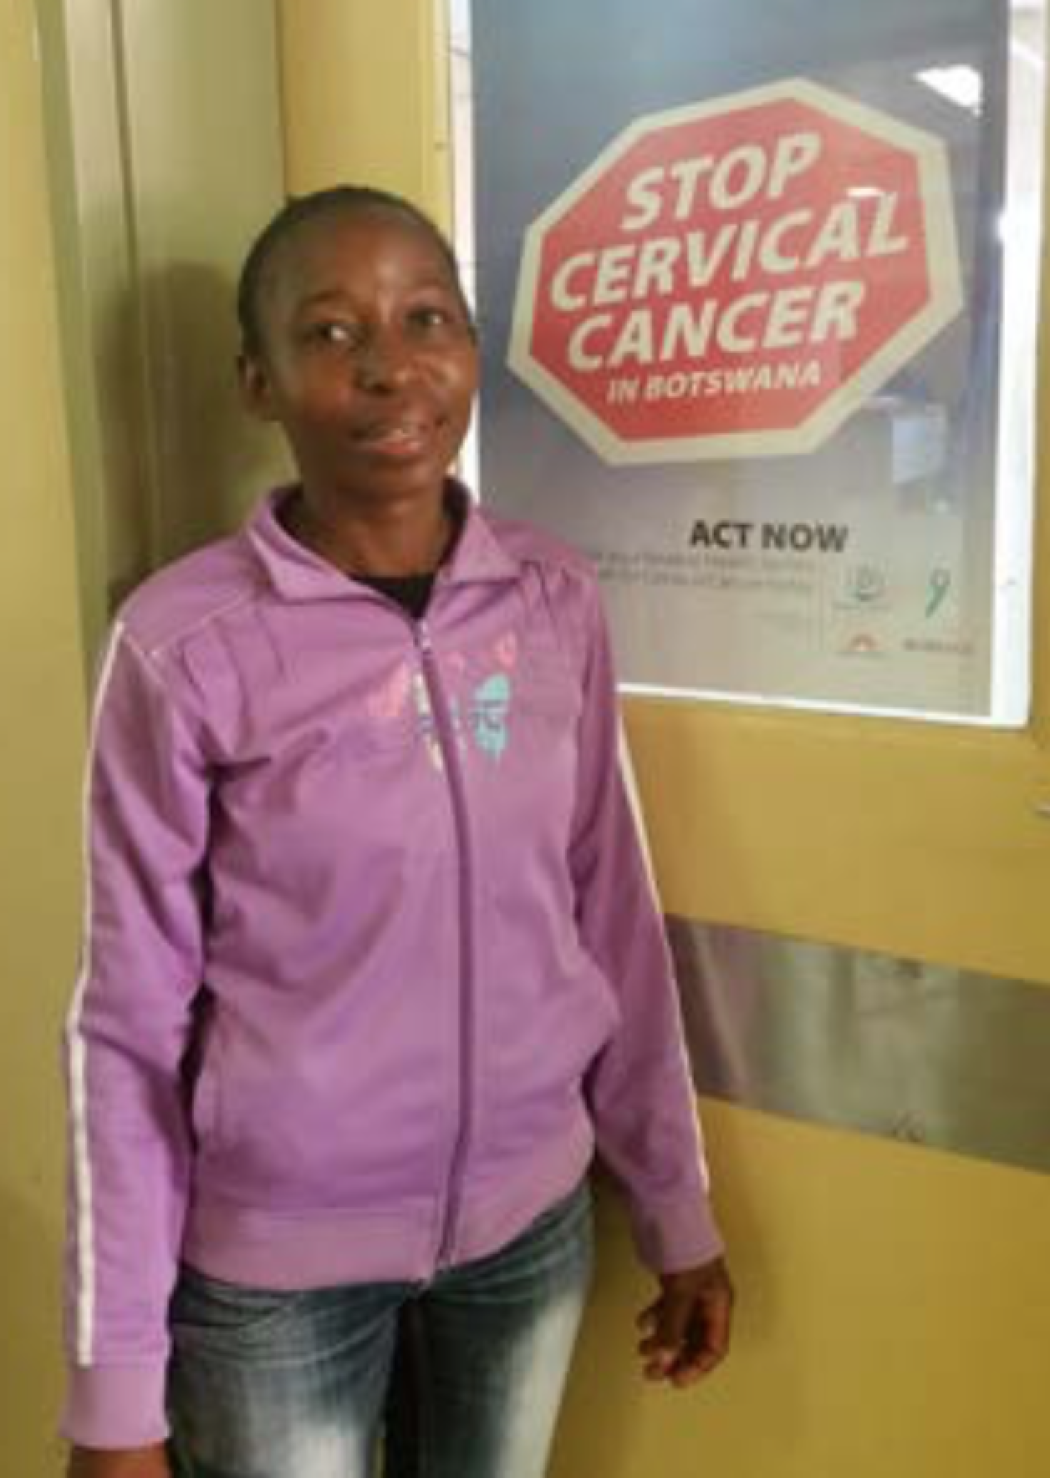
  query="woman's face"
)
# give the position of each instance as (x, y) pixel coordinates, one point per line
(368, 357)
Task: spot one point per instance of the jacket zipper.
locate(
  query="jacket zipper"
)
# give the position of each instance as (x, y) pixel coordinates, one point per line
(446, 735)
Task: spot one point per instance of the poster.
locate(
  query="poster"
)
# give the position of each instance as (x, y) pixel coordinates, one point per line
(756, 287)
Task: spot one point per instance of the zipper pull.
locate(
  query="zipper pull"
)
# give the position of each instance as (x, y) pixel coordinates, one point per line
(423, 636)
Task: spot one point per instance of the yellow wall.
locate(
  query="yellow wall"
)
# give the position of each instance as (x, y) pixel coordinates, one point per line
(913, 839)
(41, 735)
(366, 97)
(893, 1322)
(895, 1305)
(166, 157)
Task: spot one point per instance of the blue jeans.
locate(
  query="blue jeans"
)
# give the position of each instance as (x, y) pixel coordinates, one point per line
(461, 1376)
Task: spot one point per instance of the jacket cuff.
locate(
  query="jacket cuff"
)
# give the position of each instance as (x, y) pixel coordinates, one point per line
(677, 1235)
(115, 1406)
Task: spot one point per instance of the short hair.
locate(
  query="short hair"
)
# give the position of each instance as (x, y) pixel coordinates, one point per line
(300, 209)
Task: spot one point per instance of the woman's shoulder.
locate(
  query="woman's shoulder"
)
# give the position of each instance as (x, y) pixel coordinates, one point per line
(561, 578)
(190, 593)
(530, 544)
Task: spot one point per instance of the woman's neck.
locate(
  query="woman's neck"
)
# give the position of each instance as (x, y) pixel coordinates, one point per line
(408, 539)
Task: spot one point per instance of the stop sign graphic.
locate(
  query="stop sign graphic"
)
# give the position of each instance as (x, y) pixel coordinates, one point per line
(736, 278)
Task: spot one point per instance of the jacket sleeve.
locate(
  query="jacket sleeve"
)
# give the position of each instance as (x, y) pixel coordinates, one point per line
(127, 1030)
(639, 1088)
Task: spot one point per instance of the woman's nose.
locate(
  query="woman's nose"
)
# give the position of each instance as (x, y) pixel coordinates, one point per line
(385, 362)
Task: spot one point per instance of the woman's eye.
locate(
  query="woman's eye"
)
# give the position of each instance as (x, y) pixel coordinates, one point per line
(340, 335)
(431, 316)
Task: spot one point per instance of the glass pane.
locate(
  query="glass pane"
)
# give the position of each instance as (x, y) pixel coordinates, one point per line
(756, 289)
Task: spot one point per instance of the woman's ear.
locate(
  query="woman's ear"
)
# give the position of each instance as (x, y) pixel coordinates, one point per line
(256, 391)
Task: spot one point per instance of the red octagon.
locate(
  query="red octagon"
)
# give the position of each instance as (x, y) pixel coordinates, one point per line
(738, 277)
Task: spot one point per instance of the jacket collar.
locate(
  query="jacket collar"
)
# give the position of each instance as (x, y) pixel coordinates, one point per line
(298, 574)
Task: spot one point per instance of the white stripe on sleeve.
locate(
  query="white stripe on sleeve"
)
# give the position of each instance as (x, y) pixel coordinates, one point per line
(76, 1047)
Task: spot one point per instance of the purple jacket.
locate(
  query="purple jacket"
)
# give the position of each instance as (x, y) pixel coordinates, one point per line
(398, 857)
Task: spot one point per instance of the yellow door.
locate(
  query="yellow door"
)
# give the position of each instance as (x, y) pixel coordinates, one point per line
(894, 1300)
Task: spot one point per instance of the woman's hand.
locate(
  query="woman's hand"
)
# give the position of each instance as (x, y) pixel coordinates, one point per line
(687, 1329)
(130, 1462)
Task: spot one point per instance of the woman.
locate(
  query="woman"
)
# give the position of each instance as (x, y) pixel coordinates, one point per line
(372, 963)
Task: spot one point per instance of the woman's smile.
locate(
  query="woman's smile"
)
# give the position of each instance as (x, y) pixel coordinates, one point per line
(400, 437)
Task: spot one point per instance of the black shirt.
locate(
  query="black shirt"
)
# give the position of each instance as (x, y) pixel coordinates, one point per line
(410, 591)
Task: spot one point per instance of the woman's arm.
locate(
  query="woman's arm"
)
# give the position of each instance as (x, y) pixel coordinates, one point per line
(126, 1034)
(640, 1089)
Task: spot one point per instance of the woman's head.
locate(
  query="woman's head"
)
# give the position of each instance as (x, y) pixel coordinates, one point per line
(357, 339)
(263, 257)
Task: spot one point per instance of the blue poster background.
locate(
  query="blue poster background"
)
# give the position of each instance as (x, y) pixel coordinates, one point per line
(910, 479)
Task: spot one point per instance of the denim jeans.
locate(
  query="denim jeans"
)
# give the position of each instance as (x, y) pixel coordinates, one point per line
(460, 1377)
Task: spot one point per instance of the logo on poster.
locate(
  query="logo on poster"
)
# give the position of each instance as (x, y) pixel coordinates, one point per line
(737, 277)
(863, 644)
(866, 585)
(937, 589)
